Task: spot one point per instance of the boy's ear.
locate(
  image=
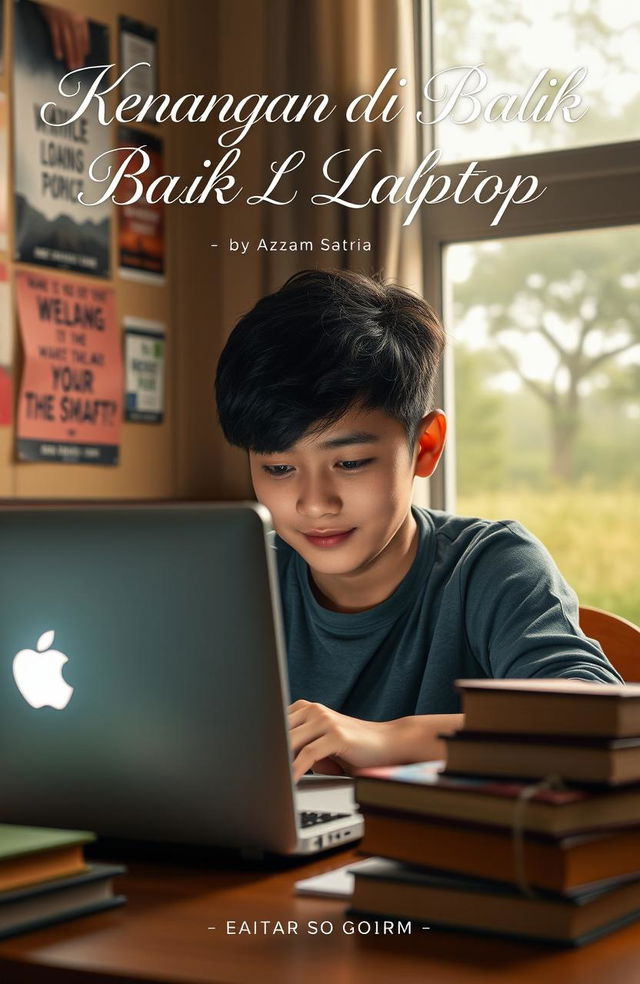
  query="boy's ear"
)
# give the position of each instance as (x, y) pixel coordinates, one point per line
(430, 443)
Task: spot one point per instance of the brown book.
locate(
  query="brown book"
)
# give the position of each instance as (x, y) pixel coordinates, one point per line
(386, 888)
(559, 865)
(588, 760)
(423, 789)
(557, 707)
(36, 854)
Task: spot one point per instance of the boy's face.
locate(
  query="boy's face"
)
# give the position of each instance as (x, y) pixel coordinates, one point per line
(339, 497)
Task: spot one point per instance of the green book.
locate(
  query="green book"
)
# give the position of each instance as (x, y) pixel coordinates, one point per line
(34, 854)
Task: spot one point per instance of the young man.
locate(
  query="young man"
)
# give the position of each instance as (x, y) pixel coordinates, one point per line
(328, 384)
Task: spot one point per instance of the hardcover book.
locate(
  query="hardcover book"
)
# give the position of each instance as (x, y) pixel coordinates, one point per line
(561, 864)
(36, 906)
(442, 900)
(36, 854)
(561, 707)
(585, 760)
(424, 789)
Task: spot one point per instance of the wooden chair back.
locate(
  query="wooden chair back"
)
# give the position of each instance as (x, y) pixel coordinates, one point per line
(619, 638)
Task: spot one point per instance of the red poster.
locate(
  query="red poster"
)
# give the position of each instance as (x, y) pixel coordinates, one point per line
(70, 406)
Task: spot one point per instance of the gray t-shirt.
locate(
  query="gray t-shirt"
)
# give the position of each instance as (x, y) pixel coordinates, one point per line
(481, 599)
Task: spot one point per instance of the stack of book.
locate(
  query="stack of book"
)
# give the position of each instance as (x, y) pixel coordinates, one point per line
(533, 828)
(44, 878)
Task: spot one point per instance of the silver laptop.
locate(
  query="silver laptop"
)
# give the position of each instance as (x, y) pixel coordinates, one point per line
(143, 683)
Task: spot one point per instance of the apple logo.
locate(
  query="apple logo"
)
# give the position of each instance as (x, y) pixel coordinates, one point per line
(38, 674)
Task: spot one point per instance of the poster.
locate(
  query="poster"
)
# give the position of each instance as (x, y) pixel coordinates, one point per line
(6, 349)
(52, 159)
(139, 54)
(141, 241)
(70, 403)
(144, 358)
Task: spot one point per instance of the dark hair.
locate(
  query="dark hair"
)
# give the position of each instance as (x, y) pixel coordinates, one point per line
(321, 344)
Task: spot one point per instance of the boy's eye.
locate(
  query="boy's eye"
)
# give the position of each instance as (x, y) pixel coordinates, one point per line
(277, 470)
(354, 465)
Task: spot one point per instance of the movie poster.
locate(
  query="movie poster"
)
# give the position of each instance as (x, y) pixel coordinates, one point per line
(139, 59)
(141, 240)
(6, 349)
(144, 359)
(52, 157)
(70, 403)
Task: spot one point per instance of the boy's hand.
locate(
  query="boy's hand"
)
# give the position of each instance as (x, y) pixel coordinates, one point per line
(336, 744)
(333, 743)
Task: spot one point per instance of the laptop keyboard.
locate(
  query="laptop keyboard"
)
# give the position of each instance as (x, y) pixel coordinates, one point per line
(308, 818)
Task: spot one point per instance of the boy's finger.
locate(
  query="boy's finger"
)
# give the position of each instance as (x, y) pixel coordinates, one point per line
(304, 734)
(296, 719)
(298, 703)
(310, 712)
(318, 749)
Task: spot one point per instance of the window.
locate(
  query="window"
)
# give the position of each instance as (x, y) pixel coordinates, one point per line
(546, 350)
(542, 373)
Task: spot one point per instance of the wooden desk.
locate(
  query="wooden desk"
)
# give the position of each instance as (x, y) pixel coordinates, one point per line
(161, 935)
